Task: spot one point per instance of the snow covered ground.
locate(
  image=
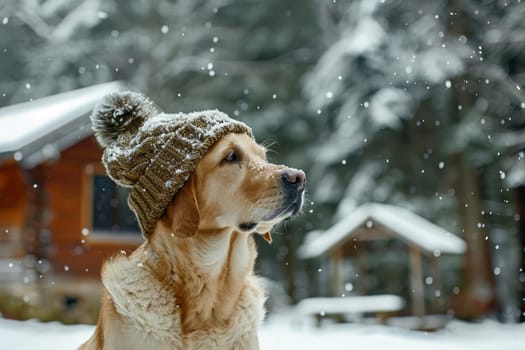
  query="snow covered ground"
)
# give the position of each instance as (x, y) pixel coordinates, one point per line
(280, 333)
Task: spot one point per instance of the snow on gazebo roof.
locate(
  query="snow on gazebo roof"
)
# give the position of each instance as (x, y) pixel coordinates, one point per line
(402, 223)
(34, 131)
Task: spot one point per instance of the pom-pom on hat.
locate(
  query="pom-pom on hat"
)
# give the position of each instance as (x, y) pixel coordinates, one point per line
(154, 153)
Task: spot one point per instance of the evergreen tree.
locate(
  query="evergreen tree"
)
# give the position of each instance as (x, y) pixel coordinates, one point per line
(419, 96)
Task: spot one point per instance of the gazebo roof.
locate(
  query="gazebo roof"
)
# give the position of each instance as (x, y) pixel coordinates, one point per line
(34, 131)
(398, 222)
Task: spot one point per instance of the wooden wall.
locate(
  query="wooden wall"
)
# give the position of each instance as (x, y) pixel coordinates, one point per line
(13, 197)
(73, 253)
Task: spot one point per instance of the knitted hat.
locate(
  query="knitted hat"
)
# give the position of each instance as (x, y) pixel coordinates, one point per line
(154, 153)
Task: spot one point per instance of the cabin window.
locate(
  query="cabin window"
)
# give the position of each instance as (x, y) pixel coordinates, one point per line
(107, 214)
(111, 213)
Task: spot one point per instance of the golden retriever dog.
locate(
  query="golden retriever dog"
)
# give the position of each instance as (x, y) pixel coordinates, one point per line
(191, 285)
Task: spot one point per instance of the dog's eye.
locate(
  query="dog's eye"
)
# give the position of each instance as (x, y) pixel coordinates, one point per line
(232, 157)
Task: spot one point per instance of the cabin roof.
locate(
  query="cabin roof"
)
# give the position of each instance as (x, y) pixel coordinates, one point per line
(35, 131)
(396, 221)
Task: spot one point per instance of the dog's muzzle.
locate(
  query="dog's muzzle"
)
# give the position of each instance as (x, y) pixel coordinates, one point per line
(293, 183)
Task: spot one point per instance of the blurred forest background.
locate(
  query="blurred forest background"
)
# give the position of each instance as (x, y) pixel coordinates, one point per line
(415, 103)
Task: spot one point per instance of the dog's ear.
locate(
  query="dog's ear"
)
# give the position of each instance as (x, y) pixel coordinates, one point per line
(267, 237)
(182, 215)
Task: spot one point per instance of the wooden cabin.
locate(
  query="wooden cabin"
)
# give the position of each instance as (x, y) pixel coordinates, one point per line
(59, 212)
(349, 238)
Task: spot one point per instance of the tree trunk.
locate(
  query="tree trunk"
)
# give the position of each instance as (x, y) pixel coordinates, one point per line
(477, 295)
(521, 230)
(289, 267)
(154, 32)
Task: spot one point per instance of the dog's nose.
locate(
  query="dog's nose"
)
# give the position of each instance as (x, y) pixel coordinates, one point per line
(294, 178)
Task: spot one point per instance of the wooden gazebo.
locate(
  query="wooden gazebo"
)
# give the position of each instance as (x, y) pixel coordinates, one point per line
(381, 222)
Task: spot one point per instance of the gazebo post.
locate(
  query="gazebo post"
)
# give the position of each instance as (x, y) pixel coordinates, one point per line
(337, 258)
(361, 270)
(416, 281)
(436, 275)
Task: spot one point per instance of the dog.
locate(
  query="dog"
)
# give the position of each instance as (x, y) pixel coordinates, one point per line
(192, 285)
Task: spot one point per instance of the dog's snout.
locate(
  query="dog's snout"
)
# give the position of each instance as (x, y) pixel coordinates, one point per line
(294, 178)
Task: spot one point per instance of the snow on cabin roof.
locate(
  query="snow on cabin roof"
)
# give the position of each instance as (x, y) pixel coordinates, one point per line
(402, 223)
(34, 131)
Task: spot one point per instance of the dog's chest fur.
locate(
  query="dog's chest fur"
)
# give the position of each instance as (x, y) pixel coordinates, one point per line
(151, 315)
